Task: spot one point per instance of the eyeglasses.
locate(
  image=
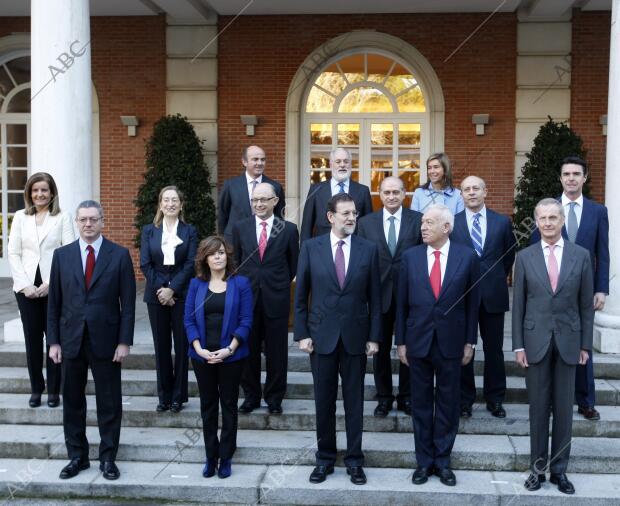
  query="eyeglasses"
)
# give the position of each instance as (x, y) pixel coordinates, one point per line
(84, 221)
(262, 200)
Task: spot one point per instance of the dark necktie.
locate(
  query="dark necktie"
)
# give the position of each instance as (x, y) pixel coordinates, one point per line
(341, 184)
(476, 234)
(392, 236)
(339, 261)
(571, 224)
(90, 265)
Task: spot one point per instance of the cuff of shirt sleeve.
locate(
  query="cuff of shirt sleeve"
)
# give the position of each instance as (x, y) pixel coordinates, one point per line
(519, 349)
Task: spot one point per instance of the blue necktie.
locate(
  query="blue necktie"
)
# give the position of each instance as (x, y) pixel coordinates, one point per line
(392, 236)
(571, 224)
(341, 184)
(476, 234)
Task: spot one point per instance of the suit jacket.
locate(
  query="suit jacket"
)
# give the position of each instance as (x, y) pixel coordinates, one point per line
(453, 316)
(234, 203)
(271, 278)
(30, 248)
(538, 312)
(314, 220)
(593, 235)
(352, 313)
(157, 274)
(237, 320)
(497, 258)
(371, 227)
(106, 309)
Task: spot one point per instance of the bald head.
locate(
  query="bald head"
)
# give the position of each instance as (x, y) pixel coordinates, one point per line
(392, 193)
(474, 191)
(264, 200)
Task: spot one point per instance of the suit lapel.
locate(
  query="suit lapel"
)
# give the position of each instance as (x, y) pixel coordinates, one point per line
(538, 265)
(325, 249)
(379, 227)
(406, 222)
(586, 220)
(76, 264)
(491, 223)
(47, 226)
(423, 262)
(452, 266)
(229, 298)
(244, 191)
(460, 224)
(354, 260)
(199, 312)
(277, 228)
(183, 234)
(103, 259)
(568, 261)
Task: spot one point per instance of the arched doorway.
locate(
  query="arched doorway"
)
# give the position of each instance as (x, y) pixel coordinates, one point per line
(372, 93)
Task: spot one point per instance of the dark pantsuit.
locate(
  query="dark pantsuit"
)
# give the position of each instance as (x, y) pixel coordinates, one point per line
(585, 394)
(325, 369)
(552, 383)
(171, 379)
(33, 314)
(107, 376)
(219, 384)
(272, 333)
(492, 333)
(435, 411)
(382, 363)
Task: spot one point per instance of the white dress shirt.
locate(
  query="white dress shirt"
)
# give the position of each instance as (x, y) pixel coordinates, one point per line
(557, 252)
(443, 258)
(250, 184)
(469, 216)
(259, 227)
(386, 222)
(578, 208)
(346, 249)
(336, 189)
(96, 246)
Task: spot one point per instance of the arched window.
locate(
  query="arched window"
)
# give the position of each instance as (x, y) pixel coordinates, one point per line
(373, 105)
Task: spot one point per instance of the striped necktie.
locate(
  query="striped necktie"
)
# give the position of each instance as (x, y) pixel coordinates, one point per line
(476, 234)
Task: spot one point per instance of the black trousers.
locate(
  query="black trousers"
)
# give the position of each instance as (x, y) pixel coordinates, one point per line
(219, 384)
(325, 369)
(107, 376)
(435, 411)
(550, 388)
(33, 313)
(272, 334)
(171, 378)
(382, 364)
(492, 334)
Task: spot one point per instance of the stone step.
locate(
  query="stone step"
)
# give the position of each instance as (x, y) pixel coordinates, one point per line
(606, 366)
(381, 449)
(288, 484)
(299, 414)
(300, 385)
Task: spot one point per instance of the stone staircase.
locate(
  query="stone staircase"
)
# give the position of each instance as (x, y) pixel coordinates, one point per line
(161, 455)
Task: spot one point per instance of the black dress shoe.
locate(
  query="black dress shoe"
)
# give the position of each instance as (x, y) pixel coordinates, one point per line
(274, 409)
(421, 474)
(589, 413)
(358, 477)
(110, 471)
(465, 411)
(404, 406)
(561, 480)
(53, 401)
(446, 476)
(73, 468)
(496, 409)
(176, 407)
(161, 407)
(319, 473)
(383, 408)
(248, 406)
(35, 400)
(533, 481)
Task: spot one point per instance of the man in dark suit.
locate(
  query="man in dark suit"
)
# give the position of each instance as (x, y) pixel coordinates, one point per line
(393, 229)
(338, 322)
(587, 225)
(436, 329)
(490, 235)
(234, 201)
(314, 220)
(266, 249)
(552, 320)
(90, 322)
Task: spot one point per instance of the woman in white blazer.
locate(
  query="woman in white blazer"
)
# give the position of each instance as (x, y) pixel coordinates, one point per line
(36, 232)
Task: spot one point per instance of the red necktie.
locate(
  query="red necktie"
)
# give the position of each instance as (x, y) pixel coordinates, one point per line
(436, 274)
(90, 265)
(262, 242)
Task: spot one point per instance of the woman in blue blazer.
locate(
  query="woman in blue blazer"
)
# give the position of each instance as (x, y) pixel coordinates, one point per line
(167, 254)
(218, 319)
(438, 188)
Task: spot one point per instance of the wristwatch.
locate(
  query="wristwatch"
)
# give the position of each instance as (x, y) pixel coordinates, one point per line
(232, 352)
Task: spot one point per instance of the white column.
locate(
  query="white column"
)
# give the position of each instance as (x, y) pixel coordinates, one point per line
(61, 141)
(607, 322)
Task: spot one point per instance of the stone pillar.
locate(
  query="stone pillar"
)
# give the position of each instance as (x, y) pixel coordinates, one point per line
(607, 322)
(61, 85)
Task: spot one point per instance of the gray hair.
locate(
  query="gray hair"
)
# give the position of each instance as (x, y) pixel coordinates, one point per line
(339, 148)
(549, 202)
(445, 214)
(87, 204)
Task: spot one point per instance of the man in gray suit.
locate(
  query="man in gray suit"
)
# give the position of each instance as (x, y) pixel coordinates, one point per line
(552, 318)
